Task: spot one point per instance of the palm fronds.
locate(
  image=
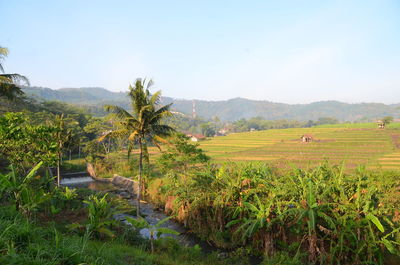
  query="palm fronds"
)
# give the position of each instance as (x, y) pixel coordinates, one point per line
(144, 124)
(14, 79)
(9, 83)
(10, 91)
(3, 55)
(119, 112)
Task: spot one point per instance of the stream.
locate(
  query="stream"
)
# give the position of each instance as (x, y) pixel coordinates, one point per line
(152, 215)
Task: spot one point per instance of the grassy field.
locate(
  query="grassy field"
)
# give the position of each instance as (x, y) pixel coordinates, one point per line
(352, 144)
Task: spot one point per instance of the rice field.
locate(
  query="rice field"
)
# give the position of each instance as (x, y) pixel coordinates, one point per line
(351, 144)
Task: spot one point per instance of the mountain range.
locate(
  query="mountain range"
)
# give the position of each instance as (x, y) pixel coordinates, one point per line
(226, 110)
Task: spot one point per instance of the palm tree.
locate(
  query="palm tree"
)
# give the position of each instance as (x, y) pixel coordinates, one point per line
(143, 125)
(9, 82)
(63, 135)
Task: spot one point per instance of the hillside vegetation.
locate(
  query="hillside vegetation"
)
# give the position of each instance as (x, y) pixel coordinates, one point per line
(226, 110)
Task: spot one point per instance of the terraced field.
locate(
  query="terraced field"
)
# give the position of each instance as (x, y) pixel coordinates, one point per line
(361, 144)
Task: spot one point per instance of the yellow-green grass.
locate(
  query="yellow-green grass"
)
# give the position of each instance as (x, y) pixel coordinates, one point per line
(351, 144)
(369, 125)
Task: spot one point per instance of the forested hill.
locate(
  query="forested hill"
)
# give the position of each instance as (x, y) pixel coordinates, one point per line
(227, 110)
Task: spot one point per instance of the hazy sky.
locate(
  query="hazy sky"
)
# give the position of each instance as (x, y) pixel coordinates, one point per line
(282, 51)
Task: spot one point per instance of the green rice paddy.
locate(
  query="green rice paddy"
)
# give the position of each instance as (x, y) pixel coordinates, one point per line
(351, 144)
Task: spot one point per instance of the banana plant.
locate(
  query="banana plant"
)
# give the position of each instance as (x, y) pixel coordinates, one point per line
(155, 231)
(63, 198)
(312, 211)
(25, 198)
(100, 216)
(260, 218)
(69, 194)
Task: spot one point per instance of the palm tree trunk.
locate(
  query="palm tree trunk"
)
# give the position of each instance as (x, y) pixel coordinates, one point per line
(140, 176)
(58, 169)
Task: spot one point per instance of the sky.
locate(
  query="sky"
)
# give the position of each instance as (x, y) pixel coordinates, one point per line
(281, 51)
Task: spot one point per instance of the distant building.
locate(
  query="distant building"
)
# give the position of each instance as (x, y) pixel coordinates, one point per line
(221, 132)
(306, 138)
(252, 129)
(381, 124)
(196, 137)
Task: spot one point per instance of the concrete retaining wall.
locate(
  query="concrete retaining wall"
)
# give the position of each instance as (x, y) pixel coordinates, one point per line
(130, 185)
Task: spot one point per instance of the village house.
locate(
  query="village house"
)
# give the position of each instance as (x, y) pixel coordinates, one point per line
(222, 132)
(196, 137)
(381, 124)
(306, 138)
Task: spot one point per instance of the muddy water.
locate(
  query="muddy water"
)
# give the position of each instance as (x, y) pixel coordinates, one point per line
(92, 185)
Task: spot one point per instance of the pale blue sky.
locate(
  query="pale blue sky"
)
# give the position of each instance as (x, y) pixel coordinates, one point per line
(282, 51)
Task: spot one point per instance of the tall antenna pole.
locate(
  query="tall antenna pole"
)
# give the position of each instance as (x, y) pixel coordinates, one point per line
(194, 109)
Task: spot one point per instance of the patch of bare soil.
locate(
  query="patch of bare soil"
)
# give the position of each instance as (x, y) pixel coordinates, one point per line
(396, 140)
(324, 140)
(65, 216)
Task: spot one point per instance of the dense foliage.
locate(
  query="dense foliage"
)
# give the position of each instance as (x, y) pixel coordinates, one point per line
(334, 218)
(55, 227)
(185, 124)
(23, 144)
(259, 123)
(181, 157)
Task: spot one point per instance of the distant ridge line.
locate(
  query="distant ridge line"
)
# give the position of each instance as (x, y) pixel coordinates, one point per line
(227, 110)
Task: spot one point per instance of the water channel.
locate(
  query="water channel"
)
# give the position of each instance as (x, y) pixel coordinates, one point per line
(148, 211)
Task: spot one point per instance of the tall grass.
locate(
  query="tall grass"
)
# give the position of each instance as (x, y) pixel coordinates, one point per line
(25, 241)
(46, 237)
(116, 163)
